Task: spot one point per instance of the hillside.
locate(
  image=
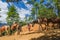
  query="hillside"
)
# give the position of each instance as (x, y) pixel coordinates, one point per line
(26, 35)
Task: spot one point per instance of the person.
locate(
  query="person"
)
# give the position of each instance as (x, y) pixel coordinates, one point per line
(14, 27)
(19, 29)
(29, 26)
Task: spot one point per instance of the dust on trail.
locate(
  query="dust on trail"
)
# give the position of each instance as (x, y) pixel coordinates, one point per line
(22, 37)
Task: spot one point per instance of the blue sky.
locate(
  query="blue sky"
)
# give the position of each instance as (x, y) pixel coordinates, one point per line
(22, 8)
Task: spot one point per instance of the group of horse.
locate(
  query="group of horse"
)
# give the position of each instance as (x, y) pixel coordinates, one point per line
(7, 30)
(44, 24)
(47, 23)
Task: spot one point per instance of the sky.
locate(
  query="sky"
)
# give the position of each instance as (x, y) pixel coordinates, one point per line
(22, 8)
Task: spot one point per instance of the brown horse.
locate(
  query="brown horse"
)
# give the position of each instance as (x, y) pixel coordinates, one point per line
(47, 23)
(42, 23)
(16, 27)
(4, 29)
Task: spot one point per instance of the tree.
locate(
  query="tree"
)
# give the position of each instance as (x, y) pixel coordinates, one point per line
(33, 13)
(57, 4)
(34, 9)
(0, 15)
(0, 9)
(12, 15)
(41, 10)
(46, 10)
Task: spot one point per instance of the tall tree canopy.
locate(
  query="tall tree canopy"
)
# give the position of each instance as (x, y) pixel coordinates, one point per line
(0, 9)
(57, 4)
(12, 15)
(42, 10)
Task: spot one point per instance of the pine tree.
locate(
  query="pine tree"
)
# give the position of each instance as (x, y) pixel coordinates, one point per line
(12, 15)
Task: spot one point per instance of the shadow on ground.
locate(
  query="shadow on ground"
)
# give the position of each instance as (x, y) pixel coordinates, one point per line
(45, 37)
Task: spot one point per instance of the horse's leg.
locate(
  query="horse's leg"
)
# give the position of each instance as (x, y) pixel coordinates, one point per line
(0, 33)
(40, 27)
(43, 27)
(33, 24)
(59, 25)
(46, 26)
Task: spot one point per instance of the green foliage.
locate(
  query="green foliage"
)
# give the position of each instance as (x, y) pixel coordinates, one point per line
(33, 11)
(31, 1)
(41, 1)
(36, 4)
(22, 23)
(41, 11)
(0, 9)
(57, 4)
(45, 12)
(4, 33)
(12, 15)
(30, 18)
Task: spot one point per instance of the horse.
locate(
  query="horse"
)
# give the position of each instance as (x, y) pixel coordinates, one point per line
(4, 30)
(42, 23)
(15, 27)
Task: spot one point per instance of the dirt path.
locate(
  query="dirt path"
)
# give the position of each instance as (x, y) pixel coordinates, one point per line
(26, 35)
(21, 37)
